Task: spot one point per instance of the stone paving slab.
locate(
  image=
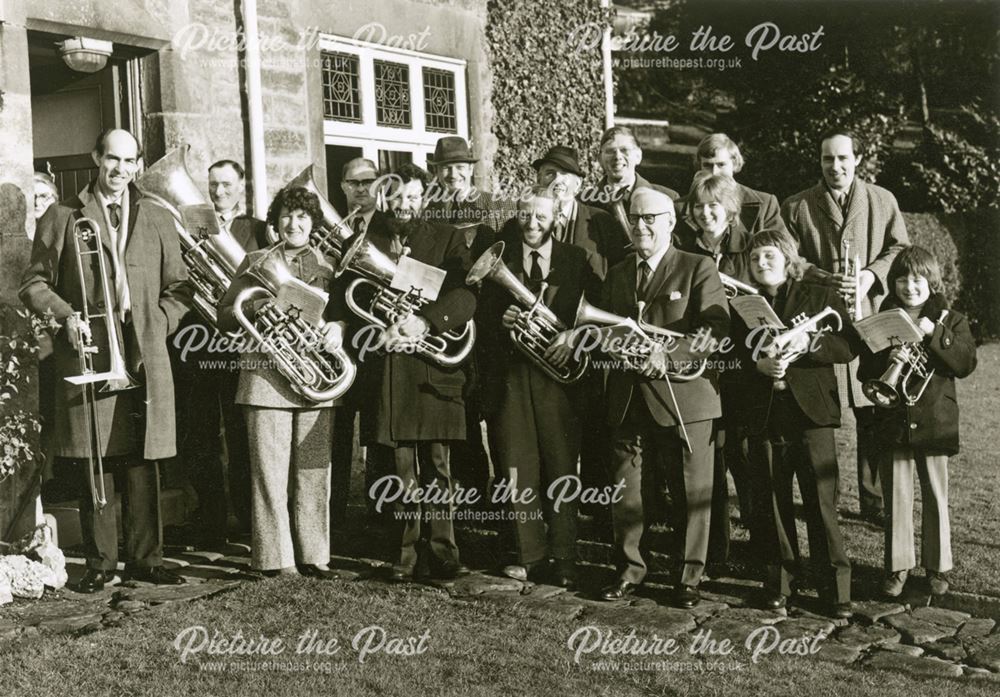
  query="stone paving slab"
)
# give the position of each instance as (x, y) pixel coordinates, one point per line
(975, 628)
(157, 595)
(903, 648)
(941, 616)
(984, 653)
(871, 611)
(862, 637)
(917, 631)
(948, 648)
(799, 627)
(912, 665)
(836, 652)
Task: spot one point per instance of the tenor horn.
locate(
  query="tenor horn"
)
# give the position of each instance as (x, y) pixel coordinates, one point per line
(211, 254)
(536, 327)
(388, 305)
(900, 379)
(287, 338)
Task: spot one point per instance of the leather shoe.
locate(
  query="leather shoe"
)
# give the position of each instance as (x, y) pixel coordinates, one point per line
(159, 575)
(843, 611)
(774, 601)
(564, 574)
(518, 572)
(94, 580)
(686, 597)
(399, 575)
(450, 570)
(313, 571)
(619, 591)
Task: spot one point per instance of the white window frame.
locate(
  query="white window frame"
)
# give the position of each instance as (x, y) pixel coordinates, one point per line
(371, 137)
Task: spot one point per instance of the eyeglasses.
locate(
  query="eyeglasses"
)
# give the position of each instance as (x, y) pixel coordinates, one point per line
(647, 218)
(359, 183)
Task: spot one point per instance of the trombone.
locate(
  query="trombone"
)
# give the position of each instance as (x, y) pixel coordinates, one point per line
(87, 243)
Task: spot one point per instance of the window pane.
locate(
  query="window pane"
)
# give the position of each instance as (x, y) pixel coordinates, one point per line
(392, 94)
(341, 90)
(439, 100)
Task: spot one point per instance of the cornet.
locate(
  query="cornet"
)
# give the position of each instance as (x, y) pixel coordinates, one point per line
(734, 287)
(293, 344)
(536, 327)
(211, 256)
(783, 346)
(852, 269)
(388, 305)
(899, 380)
(87, 243)
(635, 355)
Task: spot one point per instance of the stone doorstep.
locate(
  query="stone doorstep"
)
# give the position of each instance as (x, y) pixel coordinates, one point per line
(66, 515)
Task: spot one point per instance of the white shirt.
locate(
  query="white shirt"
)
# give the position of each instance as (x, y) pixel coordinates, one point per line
(544, 258)
(226, 217)
(653, 262)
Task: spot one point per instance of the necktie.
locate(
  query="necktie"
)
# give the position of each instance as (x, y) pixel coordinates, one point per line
(560, 227)
(644, 276)
(359, 226)
(114, 215)
(535, 271)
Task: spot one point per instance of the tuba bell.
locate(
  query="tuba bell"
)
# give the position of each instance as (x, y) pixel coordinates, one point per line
(211, 255)
(649, 339)
(901, 378)
(536, 327)
(293, 343)
(389, 305)
(330, 237)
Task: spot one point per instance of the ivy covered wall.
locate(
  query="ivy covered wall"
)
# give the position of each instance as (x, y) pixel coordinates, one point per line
(548, 86)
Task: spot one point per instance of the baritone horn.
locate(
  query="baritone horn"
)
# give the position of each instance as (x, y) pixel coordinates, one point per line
(87, 243)
(211, 254)
(389, 305)
(294, 344)
(536, 327)
(634, 354)
(329, 238)
(903, 381)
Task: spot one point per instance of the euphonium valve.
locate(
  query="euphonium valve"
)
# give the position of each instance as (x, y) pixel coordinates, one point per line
(904, 381)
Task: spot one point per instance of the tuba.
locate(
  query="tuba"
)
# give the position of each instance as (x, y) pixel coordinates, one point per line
(388, 305)
(651, 339)
(329, 238)
(735, 287)
(900, 380)
(211, 255)
(291, 342)
(86, 243)
(535, 328)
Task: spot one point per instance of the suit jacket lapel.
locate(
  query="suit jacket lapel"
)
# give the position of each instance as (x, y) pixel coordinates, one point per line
(133, 211)
(661, 273)
(829, 206)
(92, 209)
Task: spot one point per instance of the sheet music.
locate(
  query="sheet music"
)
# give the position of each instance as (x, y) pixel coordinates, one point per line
(889, 328)
(755, 311)
(200, 219)
(416, 275)
(298, 297)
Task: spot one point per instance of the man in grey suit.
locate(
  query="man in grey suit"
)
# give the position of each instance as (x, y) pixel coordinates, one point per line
(821, 218)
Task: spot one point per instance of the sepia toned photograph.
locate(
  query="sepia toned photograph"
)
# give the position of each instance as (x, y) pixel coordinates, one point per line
(482, 347)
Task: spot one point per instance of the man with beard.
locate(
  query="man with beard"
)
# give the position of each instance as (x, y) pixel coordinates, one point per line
(416, 407)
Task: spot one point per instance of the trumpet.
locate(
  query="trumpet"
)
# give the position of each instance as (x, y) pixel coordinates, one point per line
(330, 237)
(735, 287)
(87, 243)
(211, 255)
(901, 378)
(852, 269)
(291, 342)
(651, 339)
(389, 305)
(536, 327)
(785, 346)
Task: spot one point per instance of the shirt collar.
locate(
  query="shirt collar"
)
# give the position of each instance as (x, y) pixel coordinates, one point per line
(654, 261)
(544, 252)
(228, 216)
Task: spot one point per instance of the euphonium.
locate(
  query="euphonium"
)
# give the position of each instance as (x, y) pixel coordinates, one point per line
(635, 355)
(293, 344)
(900, 377)
(536, 327)
(330, 237)
(734, 287)
(211, 256)
(388, 305)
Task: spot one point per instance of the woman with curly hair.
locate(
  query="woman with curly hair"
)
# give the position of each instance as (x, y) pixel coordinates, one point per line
(289, 435)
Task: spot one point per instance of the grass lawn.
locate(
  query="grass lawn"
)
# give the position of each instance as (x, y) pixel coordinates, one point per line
(474, 648)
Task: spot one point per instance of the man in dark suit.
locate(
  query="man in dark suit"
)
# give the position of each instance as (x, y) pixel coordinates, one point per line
(658, 422)
(533, 419)
(843, 207)
(717, 154)
(149, 295)
(416, 406)
(206, 386)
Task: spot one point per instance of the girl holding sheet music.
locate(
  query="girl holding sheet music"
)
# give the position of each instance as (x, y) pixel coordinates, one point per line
(919, 436)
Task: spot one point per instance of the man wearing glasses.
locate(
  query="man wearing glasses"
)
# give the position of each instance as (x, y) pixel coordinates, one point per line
(660, 424)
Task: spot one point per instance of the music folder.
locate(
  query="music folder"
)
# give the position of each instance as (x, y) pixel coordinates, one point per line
(413, 275)
(298, 298)
(887, 329)
(755, 312)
